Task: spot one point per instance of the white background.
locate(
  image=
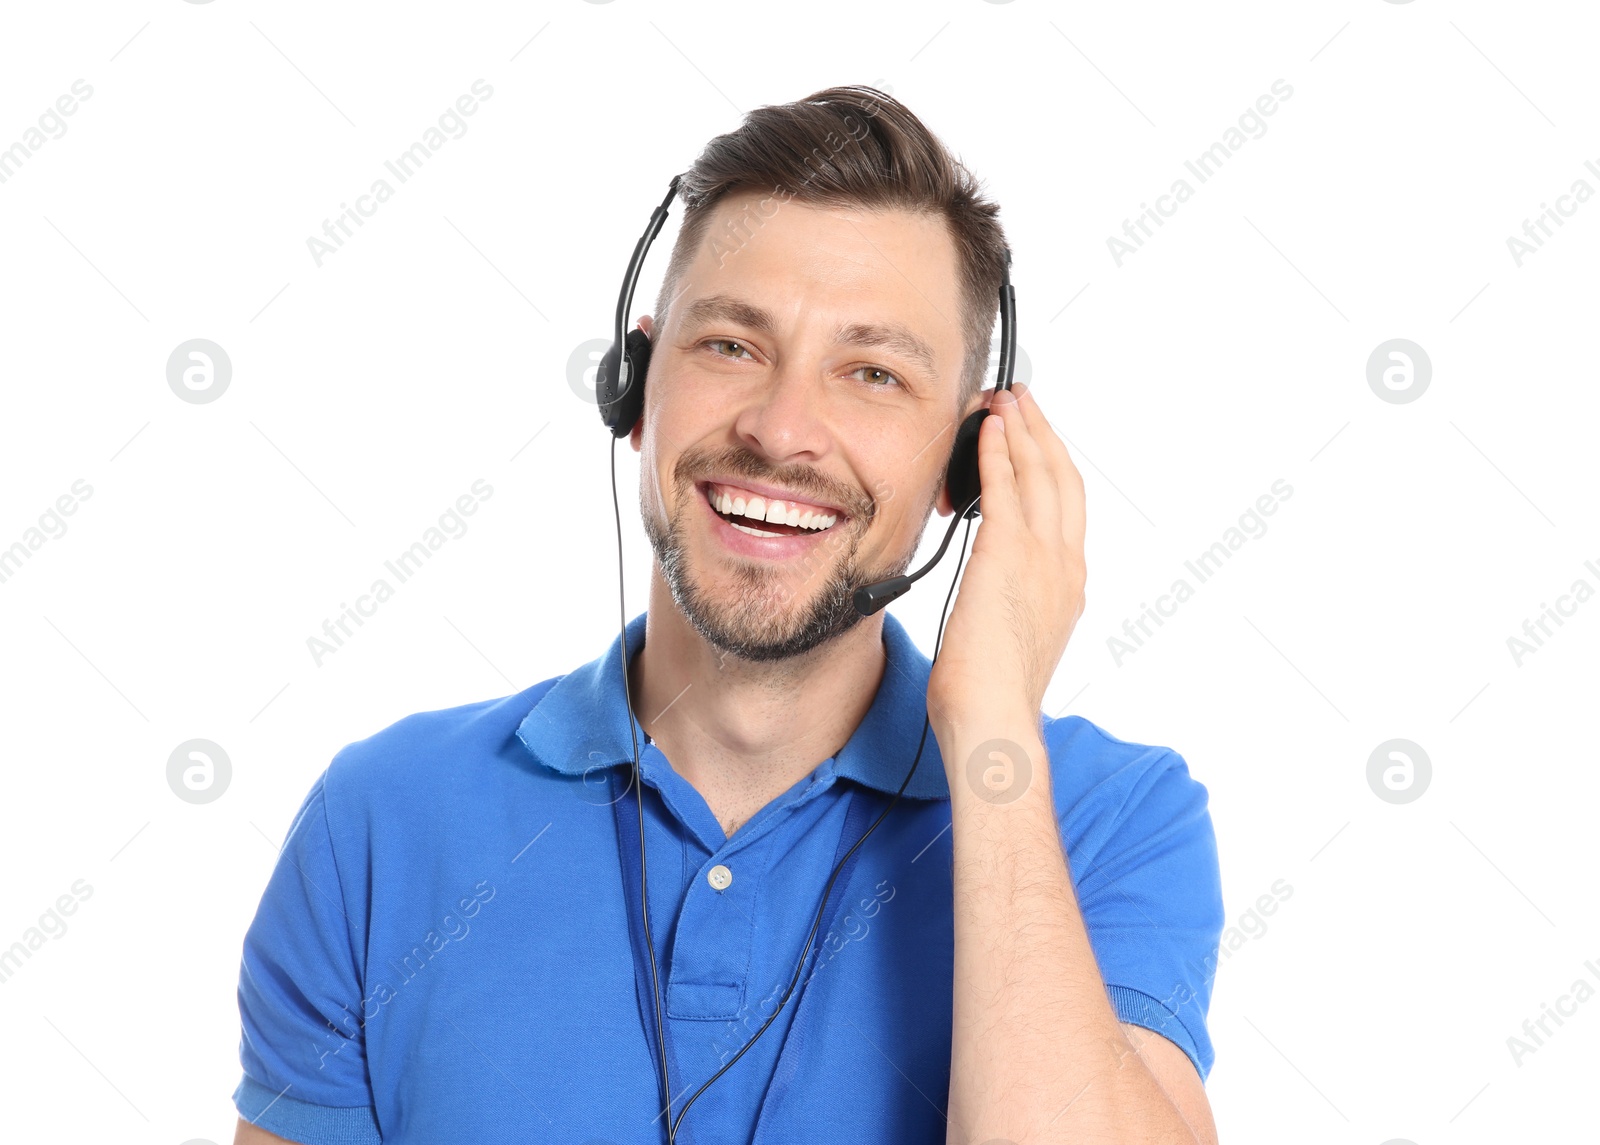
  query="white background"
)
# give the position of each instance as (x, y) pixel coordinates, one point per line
(367, 394)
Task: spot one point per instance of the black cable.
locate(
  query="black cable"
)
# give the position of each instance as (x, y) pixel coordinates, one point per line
(967, 514)
(638, 793)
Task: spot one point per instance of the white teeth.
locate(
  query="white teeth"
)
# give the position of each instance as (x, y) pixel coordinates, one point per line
(774, 512)
(754, 532)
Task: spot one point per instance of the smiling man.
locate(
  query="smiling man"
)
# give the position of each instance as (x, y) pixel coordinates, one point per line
(452, 949)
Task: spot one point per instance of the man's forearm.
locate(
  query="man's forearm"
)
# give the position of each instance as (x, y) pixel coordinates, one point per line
(1038, 1054)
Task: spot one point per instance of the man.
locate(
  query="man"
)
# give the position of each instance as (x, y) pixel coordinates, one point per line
(1024, 946)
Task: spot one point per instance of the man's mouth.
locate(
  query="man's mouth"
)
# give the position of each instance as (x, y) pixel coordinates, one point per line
(760, 516)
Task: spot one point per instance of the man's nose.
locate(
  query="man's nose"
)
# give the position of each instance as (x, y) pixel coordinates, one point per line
(784, 419)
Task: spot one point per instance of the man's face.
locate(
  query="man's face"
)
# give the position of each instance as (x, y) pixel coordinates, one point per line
(809, 370)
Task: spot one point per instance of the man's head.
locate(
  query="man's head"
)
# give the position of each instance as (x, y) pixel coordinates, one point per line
(852, 147)
(823, 326)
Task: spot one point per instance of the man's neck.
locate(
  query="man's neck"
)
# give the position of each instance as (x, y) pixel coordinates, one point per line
(743, 733)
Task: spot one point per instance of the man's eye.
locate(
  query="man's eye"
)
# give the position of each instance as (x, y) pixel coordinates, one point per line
(738, 347)
(876, 376)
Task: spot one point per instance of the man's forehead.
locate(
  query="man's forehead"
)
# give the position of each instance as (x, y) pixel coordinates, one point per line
(866, 236)
(898, 270)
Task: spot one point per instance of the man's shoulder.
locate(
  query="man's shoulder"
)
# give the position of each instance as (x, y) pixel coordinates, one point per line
(428, 754)
(1084, 739)
(1099, 775)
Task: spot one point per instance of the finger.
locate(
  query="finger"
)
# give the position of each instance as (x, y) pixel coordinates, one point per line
(997, 479)
(1036, 485)
(1040, 426)
(1069, 481)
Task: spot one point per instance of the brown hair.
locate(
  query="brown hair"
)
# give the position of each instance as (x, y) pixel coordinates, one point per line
(851, 147)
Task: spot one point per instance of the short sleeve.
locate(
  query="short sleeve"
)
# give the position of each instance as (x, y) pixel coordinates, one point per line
(1151, 897)
(300, 997)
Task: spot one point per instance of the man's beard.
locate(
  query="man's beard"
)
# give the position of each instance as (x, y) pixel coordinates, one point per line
(753, 619)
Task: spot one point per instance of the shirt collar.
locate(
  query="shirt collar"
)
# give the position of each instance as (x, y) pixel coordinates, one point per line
(581, 725)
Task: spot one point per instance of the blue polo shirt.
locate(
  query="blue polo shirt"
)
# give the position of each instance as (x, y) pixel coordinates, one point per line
(448, 949)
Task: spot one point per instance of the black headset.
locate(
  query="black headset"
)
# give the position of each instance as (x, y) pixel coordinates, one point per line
(619, 392)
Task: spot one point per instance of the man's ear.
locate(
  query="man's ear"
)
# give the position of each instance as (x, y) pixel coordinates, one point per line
(635, 437)
(942, 502)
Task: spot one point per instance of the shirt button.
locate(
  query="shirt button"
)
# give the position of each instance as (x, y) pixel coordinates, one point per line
(719, 877)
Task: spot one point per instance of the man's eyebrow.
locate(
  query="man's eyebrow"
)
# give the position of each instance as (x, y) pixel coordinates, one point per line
(722, 308)
(891, 337)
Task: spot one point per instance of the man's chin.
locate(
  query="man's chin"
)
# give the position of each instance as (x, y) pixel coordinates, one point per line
(766, 627)
(755, 611)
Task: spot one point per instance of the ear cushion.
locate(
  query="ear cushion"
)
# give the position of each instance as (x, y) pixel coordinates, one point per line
(622, 404)
(961, 478)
